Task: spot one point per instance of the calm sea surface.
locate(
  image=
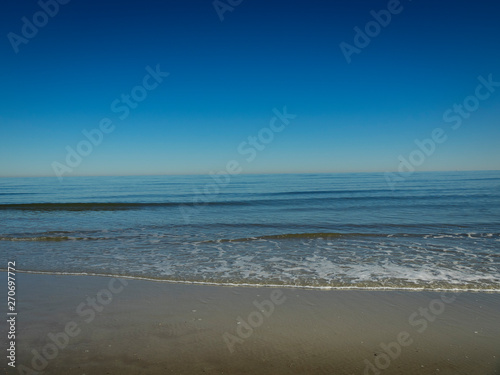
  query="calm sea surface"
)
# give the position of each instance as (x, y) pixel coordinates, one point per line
(435, 230)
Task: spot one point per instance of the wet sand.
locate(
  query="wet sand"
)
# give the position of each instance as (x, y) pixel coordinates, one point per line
(98, 325)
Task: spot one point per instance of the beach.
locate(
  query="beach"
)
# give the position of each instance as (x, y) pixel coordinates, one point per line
(103, 325)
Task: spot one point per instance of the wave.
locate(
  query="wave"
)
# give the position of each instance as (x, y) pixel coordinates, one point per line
(201, 201)
(290, 236)
(49, 238)
(332, 235)
(98, 206)
(77, 236)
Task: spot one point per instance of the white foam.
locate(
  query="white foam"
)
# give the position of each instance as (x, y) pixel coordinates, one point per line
(232, 284)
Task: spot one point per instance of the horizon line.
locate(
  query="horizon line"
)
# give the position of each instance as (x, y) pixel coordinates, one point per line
(256, 173)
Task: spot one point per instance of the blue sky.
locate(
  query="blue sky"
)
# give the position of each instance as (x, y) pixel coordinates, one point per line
(226, 77)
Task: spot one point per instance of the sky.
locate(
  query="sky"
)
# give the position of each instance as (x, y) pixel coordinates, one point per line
(304, 86)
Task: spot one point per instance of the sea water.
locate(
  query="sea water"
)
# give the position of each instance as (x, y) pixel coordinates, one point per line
(434, 230)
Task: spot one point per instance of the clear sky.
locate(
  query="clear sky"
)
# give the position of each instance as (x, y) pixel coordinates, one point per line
(226, 77)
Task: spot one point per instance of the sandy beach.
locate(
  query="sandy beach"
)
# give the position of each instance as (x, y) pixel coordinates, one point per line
(100, 325)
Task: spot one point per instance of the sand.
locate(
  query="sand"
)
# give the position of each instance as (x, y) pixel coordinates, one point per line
(97, 325)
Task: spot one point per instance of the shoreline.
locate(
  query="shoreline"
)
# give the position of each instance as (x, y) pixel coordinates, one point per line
(250, 285)
(109, 325)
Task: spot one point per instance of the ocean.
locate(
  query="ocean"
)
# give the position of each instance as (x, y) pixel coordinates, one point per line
(434, 231)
